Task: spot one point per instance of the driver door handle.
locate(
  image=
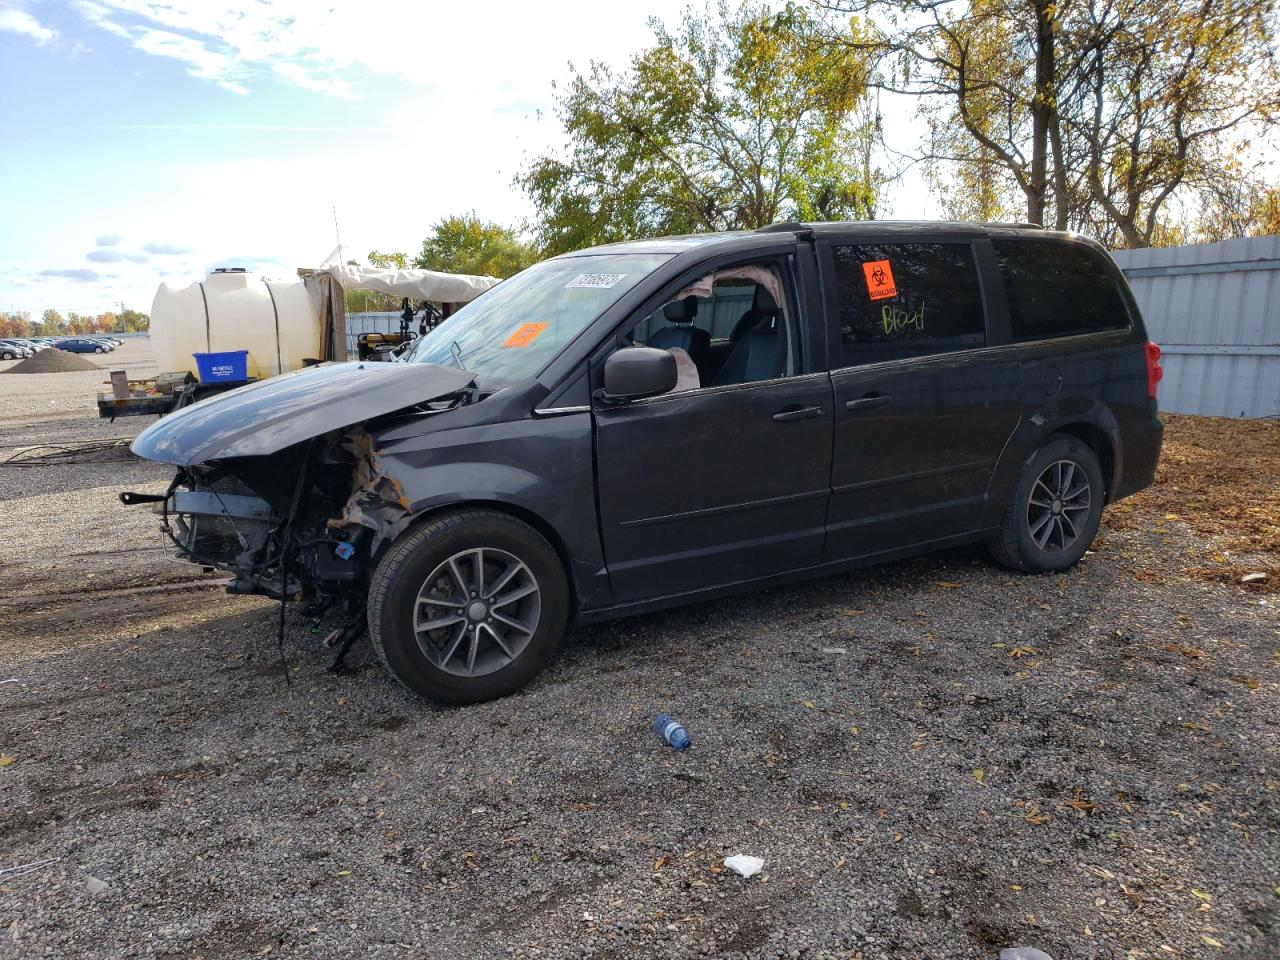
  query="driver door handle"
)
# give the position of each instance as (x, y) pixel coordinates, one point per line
(803, 413)
(867, 403)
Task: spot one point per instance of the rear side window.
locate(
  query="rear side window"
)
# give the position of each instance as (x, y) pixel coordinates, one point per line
(898, 300)
(1058, 290)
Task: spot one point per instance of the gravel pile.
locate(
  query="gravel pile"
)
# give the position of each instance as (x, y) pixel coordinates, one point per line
(53, 361)
(935, 759)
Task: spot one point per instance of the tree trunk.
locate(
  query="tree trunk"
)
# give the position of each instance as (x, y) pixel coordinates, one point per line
(1042, 109)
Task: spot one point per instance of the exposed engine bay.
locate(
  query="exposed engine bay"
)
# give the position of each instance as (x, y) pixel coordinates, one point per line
(305, 521)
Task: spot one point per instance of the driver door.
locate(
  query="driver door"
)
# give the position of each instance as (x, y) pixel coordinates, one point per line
(720, 484)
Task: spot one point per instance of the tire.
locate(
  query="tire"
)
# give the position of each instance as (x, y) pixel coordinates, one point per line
(423, 574)
(6, 356)
(1035, 536)
(99, 350)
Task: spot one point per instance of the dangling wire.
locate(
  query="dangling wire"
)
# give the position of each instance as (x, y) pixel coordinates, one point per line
(285, 546)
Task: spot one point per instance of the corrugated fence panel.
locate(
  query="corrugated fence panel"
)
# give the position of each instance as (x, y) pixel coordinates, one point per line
(1214, 309)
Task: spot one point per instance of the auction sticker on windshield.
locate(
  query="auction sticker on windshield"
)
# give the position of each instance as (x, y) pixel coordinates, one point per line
(601, 280)
(524, 335)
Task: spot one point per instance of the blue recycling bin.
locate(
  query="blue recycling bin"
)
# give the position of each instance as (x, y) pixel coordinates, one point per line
(229, 366)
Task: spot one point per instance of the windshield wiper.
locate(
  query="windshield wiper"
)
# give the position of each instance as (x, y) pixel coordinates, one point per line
(456, 352)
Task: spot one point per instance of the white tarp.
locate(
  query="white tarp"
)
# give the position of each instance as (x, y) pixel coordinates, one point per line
(414, 284)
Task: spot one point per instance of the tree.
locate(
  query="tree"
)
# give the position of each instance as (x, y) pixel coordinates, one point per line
(388, 261)
(734, 120)
(51, 321)
(1248, 208)
(134, 321)
(466, 244)
(15, 324)
(1098, 114)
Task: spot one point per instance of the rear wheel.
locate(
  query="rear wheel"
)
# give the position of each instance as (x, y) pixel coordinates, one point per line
(1055, 510)
(468, 607)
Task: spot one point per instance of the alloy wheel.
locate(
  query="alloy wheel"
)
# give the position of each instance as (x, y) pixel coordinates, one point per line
(1059, 505)
(477, 611)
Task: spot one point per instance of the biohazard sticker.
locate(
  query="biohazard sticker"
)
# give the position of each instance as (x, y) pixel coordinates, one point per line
(524, 335)
(880, 285)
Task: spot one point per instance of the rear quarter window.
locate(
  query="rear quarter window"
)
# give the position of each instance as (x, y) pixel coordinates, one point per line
(900, 300)
(1058, 289)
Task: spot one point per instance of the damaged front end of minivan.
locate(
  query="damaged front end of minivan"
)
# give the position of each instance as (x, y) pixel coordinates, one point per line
(282, 483)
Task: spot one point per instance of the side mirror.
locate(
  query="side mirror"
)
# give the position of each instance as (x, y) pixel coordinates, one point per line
(635, 372)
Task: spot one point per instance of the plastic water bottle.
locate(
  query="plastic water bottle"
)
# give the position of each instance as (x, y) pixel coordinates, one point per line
(671, 730)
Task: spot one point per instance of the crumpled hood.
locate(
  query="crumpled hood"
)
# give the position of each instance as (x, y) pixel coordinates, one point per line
(265, 417)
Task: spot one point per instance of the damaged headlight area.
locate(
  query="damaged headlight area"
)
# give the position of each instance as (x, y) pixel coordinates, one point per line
(303, 523)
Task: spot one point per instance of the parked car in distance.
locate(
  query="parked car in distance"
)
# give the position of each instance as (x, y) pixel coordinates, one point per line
(33, 344)
(649, 423)
(82, 345)
(12, 350)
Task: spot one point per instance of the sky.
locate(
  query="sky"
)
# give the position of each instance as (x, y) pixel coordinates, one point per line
(152, 140)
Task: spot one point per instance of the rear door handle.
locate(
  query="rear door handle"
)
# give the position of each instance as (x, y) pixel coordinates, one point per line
(866, 403)
(804, 413)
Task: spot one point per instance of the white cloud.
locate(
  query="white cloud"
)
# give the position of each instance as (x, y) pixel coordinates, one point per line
(19, 21)
(202, 62)
(104, 256)
(165, 249)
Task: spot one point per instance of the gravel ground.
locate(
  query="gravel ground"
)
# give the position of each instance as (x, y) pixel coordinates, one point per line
(935, 759)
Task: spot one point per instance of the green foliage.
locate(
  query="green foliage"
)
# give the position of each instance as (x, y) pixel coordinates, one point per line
(388, 261)
(733, 121)
(53, 324)
(466, 244)
(1108, 118)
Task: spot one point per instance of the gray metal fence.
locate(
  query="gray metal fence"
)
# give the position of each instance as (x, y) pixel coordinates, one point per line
(358, 323)
(1214, 309)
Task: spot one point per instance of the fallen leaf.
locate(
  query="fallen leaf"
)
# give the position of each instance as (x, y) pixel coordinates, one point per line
(1077, 802)
(1015, 887)
(808, 704)
(5, 759)
(980, 775)
(1036, 817)
(1208, 941)
(1025, 650)
(660, 863)
(343, 873)
(1201, 895)
(948, 584)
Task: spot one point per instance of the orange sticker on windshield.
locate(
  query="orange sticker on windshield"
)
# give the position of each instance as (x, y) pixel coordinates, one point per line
(880, 285)
(525, 334)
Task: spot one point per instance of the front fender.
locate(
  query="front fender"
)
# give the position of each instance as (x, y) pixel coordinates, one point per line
(537, 468)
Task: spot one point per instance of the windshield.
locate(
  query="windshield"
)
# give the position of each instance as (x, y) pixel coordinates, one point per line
(515, 329)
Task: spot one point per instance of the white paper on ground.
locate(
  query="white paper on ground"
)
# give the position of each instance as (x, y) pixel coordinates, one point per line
(744, 865)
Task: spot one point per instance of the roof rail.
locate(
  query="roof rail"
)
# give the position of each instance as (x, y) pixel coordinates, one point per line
(1015, 223)
(790, 226)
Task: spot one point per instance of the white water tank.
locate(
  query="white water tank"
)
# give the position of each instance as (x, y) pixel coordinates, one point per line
(275, 320)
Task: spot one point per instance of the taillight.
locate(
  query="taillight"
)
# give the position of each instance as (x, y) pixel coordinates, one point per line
(1155, 372)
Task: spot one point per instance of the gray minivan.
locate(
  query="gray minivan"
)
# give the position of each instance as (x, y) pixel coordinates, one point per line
(650, 423)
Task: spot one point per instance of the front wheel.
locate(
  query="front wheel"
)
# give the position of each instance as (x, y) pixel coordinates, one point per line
(468, 607)
(1055, 509)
